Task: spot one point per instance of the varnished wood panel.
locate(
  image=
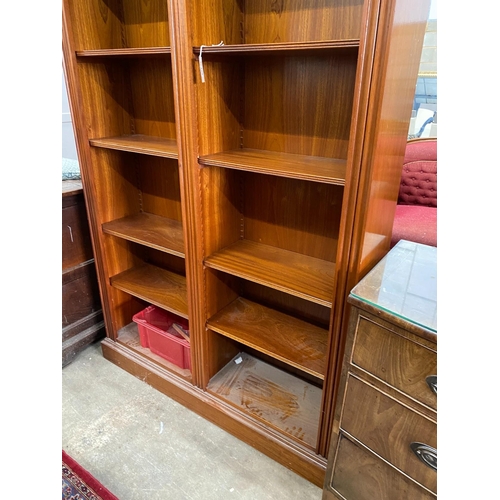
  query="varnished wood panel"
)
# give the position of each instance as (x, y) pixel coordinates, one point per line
(128, 96)
(314, 168)
(301, 20)
(117, 192)
(395, 75)
(150, 230)
(222, 201)
(310, 312)
(137, 143)
(284, 107)
(158, 180)
(145, 23)
(152, 93)
(219, 105)
(264, 21)
(388, 428)
(107, 104)
(272, 396)
(216, 21)
(156, 286)
(128, 52)
(119, 23)
(292, 215)
(294, 273)
(362, 475)
(284, 337)
(277, 48)
(374, 351)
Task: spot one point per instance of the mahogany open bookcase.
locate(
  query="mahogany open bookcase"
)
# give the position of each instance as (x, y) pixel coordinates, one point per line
(245, 186)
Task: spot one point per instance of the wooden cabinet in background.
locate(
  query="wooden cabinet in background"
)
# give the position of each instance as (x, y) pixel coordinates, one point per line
(241, 164)
(82, 319)
(384, 441)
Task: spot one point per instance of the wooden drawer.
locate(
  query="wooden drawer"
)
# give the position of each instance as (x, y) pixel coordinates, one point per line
(388, 428)
(397, 360)
(361, 475)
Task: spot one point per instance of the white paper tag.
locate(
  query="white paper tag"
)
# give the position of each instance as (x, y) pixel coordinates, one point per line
(238, 360)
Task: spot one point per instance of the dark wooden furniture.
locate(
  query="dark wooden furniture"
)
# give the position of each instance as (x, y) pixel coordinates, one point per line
(384, 432)
(82, 318)
(245, 186)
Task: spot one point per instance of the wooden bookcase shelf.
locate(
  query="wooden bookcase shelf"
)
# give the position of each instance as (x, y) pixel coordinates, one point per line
(151, 230)
(313, 168)
(126, 52)
(248, 198)
(278, 335)
(272, 396)
(157, 286)
(277, 48)
(297, 274)
(137, 143)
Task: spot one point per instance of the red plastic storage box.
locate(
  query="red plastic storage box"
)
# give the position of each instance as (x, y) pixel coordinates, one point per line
(157, 333)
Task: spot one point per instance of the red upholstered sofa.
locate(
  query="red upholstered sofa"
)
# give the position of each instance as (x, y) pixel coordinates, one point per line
(416, 211)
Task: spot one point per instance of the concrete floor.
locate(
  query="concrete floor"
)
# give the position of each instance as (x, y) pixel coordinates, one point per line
(144, 446)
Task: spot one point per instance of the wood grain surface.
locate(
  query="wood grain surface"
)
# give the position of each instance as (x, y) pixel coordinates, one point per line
(361, 475)
(150, 230)
(137, 143)
(388, 428)
(270, 395)
(291, 272)
(156, 286)
(314, 168)
(283, 337)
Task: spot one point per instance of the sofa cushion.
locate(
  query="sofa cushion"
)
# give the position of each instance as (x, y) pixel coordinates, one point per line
(419, 174)
(415, 223)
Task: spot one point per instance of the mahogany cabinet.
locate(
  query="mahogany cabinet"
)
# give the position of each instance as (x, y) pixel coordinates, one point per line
(241, 163)
(384, 437)
(82, 318)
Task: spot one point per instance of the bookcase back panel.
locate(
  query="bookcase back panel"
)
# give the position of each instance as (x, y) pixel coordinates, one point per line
(152, 96)
(222, 199)
(114, 24)
(120, 255)
(220, 105)
(159, 186)
(286, 99)
(301, 20)
(115, 181)
(299, 216)
(106, 99)
(217, 20)
(266, 21)
(163, 260)
(286, 303)
(128, 97)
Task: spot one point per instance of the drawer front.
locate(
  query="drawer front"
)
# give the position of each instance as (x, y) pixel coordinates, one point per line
(396, 360)
(388, 428)
(361, 475)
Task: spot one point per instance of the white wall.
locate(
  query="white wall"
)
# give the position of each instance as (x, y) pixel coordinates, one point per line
(68, 138)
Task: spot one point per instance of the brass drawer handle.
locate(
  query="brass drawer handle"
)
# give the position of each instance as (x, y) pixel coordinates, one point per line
(426, 454)
(432, 382)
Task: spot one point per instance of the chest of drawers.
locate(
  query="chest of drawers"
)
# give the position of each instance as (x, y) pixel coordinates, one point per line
(384, 439)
